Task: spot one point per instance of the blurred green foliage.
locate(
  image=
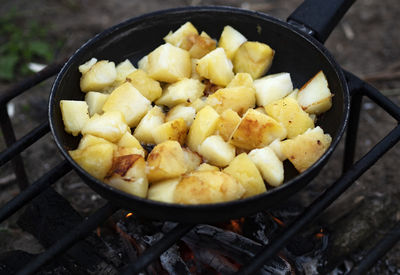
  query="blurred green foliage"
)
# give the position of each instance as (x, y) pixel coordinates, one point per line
(21, 43)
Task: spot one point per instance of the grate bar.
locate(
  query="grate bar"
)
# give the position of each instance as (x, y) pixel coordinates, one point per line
(24, 142)
(33, 190)
(76, 234)
(31, 81)
(156, 250)
(323, 201)
(378, 251)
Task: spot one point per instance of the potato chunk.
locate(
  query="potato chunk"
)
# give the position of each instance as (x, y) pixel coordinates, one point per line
(110, 125)
(256, 130)
(74, 115)
(143, 64)
(95, 102)
(305, 149)
(315, 96)
(128, 174)
(231, 40)
(144, 131)
(99, 76)
(130, 102)
(204, 125)
(202, 45)
(89, 140)
(85, 67)
(216, 151)
(216, 67)
(239, 99)
(185, 90)
(181, 111)
(207, 187)
(96, 159)
(166, 161)
(129, 141)
(269, 165)
(192, 159)
(276, 147)
(123, 70)
(181, 37)
(289, 113)
(169, 64)
(272, 87)
(241, 79)
(163, 190)
(228, 123)
(254, 58)
(147, 86)
(171, 130)
(247, 174)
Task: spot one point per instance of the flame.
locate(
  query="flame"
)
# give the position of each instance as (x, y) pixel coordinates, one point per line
(236, 225)
(128, 215)
(320, 234)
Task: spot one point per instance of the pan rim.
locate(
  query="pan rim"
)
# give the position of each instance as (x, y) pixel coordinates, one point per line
(287, 185)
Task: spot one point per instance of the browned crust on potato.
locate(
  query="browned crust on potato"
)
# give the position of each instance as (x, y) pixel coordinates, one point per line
(122, 164)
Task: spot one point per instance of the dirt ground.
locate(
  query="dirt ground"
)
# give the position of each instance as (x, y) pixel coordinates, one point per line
(366, 42)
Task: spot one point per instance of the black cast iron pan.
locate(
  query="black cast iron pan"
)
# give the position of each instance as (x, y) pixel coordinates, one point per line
(296, 52)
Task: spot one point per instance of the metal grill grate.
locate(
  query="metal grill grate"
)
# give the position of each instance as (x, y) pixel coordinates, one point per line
(351, 172)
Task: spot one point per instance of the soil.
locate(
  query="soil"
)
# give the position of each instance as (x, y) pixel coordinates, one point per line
(366, 42)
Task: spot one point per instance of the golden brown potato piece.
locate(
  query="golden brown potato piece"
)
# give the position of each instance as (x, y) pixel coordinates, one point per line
(239, 99)
(183, 91)
(100, 76)
(74, 114)
(180, 38)
(163, 190)
(207, 187)
(228, 123)
(147, 86)
(192, 159)
(171, 130)
(202, 45)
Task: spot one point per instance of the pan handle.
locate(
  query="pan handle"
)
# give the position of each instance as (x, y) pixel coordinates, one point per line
(319, 17)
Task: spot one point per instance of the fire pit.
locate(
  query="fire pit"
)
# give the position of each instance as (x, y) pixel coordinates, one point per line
(227, 260)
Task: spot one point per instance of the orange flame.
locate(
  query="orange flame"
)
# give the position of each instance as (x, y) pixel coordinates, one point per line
(128, 215)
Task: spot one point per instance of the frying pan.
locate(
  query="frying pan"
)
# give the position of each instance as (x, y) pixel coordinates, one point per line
(297, 52)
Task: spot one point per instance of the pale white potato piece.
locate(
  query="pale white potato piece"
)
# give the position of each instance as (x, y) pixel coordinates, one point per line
(99, 76)
(276, 147)
(269, 165)
(95, 102)
(192, 159)
(163, 190)
(130, 102)
(315, 96)
(143, 63)
(207, 167)
(123, 70)
(182, 111)
(231, 40)
(129, 141)
(74, 114)
(85, 67)
(293, 94)
(181, 37)
(185, 90)
(144, 131)
(272, 87)
(216, 151)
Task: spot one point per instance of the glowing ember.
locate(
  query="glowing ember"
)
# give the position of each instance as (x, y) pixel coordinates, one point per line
(278, 221)
(128, 215)
(320, 234)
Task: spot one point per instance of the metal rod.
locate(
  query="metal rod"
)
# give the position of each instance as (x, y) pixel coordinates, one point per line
(76, 234)
(323, 201)
(24, 142)
(29, 82)
(351, 133)
(380, 249)
(156, 250)
(33, 190)
(9, 138)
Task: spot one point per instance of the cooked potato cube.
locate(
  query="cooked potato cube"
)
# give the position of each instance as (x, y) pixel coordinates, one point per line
(216, 151)
(163, 190)
(110, 125)
(198, 104)
(171, 130)
(216, 67)
(254, 58)
(276, 147)
(269, 165)
(89, 140)
(304, 150)
(315, 96)
(185, 90)
(128, 174)
(202, 45)
(231, 40)
(207, 167)
(195, 74)
(289, 113)
(272, 87)
(143, 64)
(124, 151)
(207, 187)
(192, 159)
(239, 99)
(293, 94)
(144, 131)
(247, 174)
(96, 159)
(95, 102)
(74, 115)
(181, 37)
(229, 120)
(99, 76)
(182, 111)
(123, 70)
(85, 67)
(169, 64)
(147, 86)
(129, 141)
(204, 125)
(256, 130)
(166, 161)
(130, 102)
(241, 79)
